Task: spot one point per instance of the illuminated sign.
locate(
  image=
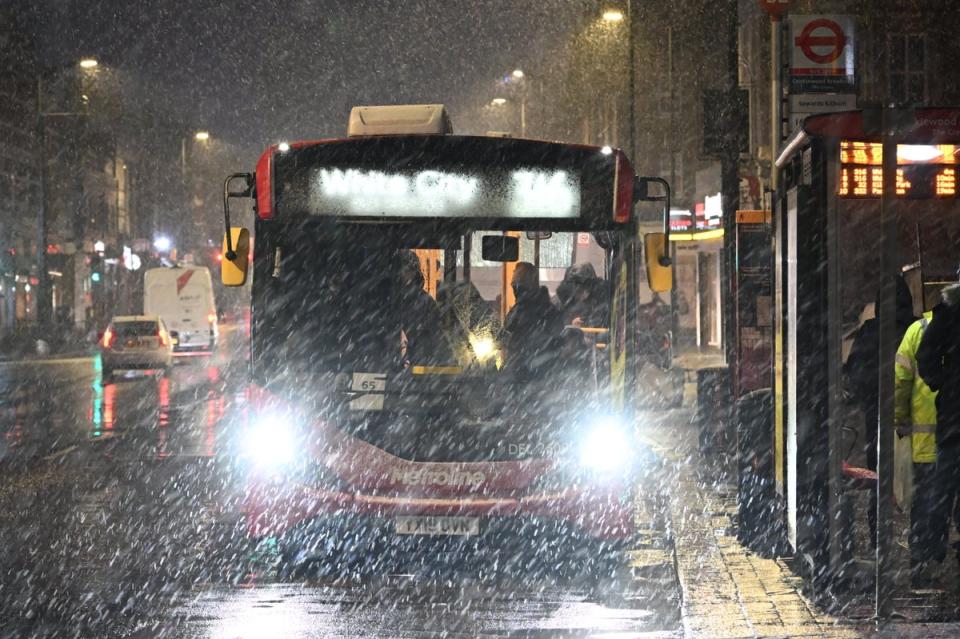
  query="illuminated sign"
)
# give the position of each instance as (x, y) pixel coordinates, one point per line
(712, 211)
(520, 193)
(946, 184)
(706, 215)
(681, 220)
(923, 170)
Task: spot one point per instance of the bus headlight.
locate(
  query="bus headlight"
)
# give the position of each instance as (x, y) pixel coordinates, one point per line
(270, 443)
(606, 447)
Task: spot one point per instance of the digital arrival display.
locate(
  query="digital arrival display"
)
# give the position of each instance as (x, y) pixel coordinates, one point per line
(924, 171)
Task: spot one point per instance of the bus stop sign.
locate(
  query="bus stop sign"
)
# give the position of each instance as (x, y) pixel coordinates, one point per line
(821, 54)
(774, 8)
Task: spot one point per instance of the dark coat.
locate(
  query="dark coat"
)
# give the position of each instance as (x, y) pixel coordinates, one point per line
(594, 309)
(422, 323)
(938, 362)
(533, 329)
(863, 365)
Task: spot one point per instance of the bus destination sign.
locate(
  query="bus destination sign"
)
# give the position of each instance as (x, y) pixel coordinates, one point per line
(518, 193)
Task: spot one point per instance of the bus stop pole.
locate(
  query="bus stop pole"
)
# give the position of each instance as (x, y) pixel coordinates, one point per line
(776, 98)
(888, 335)
(631, 45)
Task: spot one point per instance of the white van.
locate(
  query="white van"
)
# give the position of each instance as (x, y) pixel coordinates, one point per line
(183, 297)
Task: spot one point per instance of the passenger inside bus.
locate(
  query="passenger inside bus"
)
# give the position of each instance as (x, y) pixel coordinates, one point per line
(533, 325)
(469, 322)
(583, 297)
(420, 318)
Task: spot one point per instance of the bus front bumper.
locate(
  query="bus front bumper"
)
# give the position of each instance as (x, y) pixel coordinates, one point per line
(599, 512)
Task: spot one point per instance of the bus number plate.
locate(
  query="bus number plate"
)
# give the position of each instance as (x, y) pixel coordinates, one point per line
(458, 526)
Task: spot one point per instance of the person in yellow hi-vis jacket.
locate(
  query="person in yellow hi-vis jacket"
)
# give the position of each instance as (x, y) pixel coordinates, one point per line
(915, 414)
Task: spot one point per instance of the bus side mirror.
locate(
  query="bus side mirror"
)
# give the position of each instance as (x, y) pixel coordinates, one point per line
(233, 272)
(500, 248)
(659, 269)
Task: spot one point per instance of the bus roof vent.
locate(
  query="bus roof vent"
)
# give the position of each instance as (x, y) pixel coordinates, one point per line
(399, 119)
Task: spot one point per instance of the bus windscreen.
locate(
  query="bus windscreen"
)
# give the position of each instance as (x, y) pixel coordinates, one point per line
(443, 177)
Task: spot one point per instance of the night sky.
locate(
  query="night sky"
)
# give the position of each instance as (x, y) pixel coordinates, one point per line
(258, 72)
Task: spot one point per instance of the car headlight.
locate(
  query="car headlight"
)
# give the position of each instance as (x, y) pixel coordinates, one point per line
(270, 442)
(606, 447)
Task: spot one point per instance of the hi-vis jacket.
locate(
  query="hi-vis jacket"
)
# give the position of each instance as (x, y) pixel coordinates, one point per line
(915, 403)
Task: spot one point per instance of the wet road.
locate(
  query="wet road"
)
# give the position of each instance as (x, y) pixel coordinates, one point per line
(119, 517)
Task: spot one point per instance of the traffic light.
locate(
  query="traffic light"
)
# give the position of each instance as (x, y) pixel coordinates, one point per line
(96, 269)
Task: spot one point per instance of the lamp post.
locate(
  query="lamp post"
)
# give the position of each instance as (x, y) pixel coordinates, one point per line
(520, 77)
(199, 136)
(188, 142)
(44, 302)
(516, 83)
(615, 15)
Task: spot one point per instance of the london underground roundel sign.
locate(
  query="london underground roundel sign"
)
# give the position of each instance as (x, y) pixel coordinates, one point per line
(822, 41)
(822, 54)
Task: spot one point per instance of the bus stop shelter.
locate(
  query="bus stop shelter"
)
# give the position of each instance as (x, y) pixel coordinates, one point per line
(849, 219)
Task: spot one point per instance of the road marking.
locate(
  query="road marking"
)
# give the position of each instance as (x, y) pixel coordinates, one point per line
(60, 453)
(31, 362)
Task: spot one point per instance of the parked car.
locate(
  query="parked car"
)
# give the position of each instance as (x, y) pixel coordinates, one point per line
(136, 342)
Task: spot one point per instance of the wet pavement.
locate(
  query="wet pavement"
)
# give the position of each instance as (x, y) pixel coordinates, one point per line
(119, 516)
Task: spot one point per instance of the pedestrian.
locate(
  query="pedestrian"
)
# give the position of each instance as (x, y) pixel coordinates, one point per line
(863, 370)
(915, 416)
(938, 362)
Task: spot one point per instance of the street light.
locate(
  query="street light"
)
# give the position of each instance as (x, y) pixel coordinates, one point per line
(498, 101)
(517, 79)
(44, 301)
(613, 15)
(162, 244)
(199, 136)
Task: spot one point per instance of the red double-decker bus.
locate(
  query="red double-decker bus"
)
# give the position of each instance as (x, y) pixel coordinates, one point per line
(390, 409)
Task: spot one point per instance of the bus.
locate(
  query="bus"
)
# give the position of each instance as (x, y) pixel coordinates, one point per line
(358, 446)
(183, 297)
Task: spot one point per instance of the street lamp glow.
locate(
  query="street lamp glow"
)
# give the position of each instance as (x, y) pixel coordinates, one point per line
(283, 147)
(498, 101)
(162, 244)
(202, 136)
(518, 73)
(613, 15)
(606, 150)
(88, 63)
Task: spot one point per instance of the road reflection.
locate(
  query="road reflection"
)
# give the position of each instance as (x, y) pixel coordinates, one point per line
(173, 415)
(45, 405)
(48, 405)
